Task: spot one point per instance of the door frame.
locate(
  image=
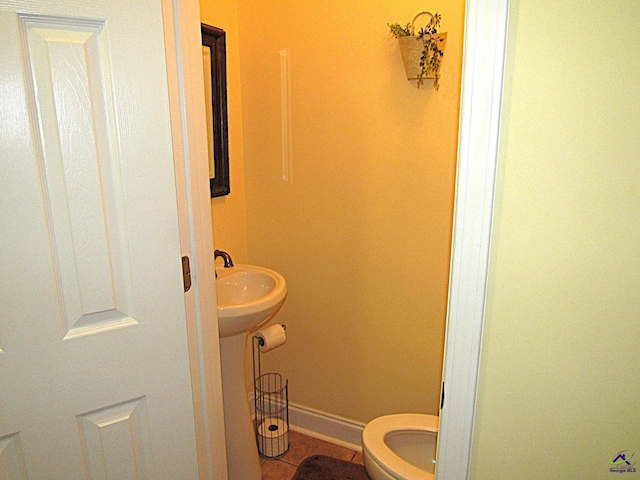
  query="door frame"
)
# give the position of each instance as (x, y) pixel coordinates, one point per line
(191, 159)
(485, 45)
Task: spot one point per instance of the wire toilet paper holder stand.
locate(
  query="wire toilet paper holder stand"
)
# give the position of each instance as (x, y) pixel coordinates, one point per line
(271, 402)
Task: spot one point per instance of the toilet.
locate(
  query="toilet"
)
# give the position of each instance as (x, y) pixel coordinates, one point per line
(400, 447)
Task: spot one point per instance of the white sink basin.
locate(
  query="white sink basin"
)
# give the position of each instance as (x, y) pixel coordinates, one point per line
(247, 297)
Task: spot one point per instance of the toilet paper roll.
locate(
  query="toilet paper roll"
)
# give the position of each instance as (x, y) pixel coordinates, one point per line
(273, 437)
(271, 337)
(272, 427)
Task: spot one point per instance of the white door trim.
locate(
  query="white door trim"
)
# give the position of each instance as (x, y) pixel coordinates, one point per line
(485, 40)
(184, 64)
(482, 83)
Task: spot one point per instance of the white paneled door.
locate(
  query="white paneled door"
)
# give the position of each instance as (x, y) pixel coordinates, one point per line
(94, 372)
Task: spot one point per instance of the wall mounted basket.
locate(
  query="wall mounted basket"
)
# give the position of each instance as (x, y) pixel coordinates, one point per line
(418, 51)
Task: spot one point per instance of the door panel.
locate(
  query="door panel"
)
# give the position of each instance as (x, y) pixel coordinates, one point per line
(11, 458)
(121, 432)
(94, 372)
(68, 68)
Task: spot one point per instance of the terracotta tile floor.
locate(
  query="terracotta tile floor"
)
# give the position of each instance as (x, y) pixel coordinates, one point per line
(302, 446)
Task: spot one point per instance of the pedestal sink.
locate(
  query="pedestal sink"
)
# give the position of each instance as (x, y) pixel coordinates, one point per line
(248, 296)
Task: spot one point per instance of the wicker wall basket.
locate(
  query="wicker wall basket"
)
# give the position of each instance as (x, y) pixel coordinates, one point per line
(412, 48)
(411, 51)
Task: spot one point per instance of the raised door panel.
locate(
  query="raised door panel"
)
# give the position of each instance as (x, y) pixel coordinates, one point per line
(117, 432)
(11, 458)
(69, 75)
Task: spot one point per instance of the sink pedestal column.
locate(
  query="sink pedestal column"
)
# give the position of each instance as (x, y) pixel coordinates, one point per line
(242, 451)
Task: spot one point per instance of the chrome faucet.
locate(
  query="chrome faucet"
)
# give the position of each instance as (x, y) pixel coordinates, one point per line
(228, 263)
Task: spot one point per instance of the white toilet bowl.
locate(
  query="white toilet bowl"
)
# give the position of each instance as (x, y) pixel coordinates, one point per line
(400, 447)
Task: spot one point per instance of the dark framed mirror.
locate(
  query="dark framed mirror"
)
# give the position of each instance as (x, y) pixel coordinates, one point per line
(214, 63)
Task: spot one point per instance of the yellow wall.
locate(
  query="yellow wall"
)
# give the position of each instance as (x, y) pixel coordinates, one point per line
(559, 392)
(229, 212)
(362, 234)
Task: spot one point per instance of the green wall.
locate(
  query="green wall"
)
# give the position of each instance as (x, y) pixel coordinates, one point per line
(559, 393)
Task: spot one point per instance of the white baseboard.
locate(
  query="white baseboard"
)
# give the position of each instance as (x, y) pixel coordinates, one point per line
(324, 426)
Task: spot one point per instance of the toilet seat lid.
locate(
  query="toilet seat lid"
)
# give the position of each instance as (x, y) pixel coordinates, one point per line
(373, 441)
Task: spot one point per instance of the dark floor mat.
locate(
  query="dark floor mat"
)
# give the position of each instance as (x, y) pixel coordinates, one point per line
(320, 467)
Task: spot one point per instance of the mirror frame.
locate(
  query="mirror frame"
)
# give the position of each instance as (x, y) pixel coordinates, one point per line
(214, 38)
